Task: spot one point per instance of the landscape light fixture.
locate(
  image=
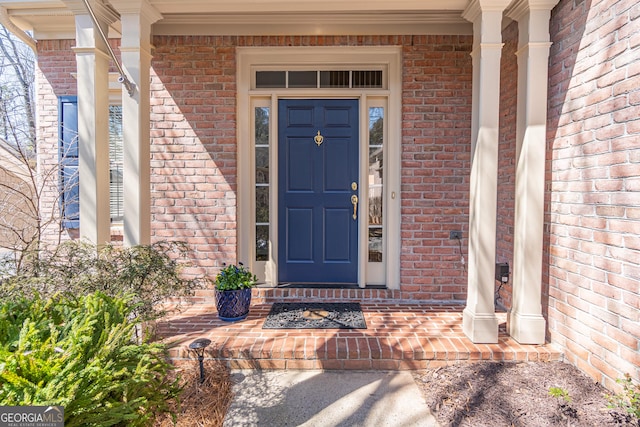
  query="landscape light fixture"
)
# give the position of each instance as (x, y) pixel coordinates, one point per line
(198, 346)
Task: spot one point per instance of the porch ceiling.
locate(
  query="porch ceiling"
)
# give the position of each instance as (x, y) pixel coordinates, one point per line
(51, 19)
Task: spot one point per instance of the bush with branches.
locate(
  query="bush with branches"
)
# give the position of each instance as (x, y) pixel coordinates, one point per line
(149, 273)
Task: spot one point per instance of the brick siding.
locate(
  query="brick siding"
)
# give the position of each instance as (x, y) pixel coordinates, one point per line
(436, 131)
(592, 243)
(54, 78)
(194, 150)
(194, 159)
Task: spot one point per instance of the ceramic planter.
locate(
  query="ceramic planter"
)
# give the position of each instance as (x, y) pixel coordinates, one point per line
(233, 305)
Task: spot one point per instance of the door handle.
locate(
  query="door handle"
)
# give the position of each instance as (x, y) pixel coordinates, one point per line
(354, 202)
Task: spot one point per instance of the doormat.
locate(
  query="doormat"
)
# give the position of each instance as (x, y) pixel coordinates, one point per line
(300, 315)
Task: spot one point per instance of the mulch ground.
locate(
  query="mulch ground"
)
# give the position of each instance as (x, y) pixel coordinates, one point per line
(201, 404)
(516, 394)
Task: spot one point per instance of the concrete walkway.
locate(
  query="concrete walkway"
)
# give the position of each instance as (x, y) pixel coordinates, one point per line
(281, 398)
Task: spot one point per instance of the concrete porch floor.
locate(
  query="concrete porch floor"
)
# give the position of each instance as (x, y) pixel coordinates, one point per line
(399, 336)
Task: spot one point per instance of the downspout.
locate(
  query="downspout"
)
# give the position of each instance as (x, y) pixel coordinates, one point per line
(9, 25)
(128, 84)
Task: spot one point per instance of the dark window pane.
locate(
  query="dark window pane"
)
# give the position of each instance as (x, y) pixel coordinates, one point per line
(364, 79)
(270, 79)
(375, 186)
(375, 244)
(375, 207)
(334, 79)
(262, 165)
(375, 166)
(299, 79)
(262, 204)
(262, 243)
(262, 125)
(376, 126)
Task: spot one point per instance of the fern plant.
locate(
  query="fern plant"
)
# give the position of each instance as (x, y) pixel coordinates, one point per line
(78, 352)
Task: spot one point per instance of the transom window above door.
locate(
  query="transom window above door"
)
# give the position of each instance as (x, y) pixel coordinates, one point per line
(329, 79)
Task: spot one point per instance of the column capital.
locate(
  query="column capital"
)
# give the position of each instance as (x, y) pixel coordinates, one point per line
(477, 7)
(518, 10)
(105, 14)
(138, 7)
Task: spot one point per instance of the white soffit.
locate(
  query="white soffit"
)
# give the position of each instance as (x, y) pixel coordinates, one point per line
(261, 6)
(315, 24)
(51, 19)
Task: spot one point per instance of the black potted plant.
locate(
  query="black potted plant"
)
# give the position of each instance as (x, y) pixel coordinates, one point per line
(233, 292)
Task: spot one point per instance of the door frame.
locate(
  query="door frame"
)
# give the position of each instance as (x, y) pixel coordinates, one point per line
(250, 58)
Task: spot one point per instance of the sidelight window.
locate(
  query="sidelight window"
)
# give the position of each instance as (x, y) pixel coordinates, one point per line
(376, 176)
(261, 143)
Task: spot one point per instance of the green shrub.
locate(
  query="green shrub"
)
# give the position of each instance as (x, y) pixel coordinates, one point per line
(628, 399)
(77, 352)
(560, 393)
(150, 273)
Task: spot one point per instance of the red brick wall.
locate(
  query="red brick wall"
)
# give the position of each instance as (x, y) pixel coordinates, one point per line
(593, 196)
(194, 151)
(435, 165)
(507, 156)
(56, 63)
(194, 164)
(193, 147)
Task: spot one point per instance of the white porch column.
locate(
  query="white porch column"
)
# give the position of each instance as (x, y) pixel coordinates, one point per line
(525, 322)
(480, 323)
(93, 122)
(136, 17)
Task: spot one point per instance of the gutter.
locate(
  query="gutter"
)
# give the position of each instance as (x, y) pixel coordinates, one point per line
(22, 35)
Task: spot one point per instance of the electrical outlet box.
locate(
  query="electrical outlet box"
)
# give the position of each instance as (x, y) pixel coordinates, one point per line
(455, 235)
(502, 272)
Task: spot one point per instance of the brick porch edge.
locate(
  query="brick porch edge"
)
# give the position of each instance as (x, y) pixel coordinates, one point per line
(399, 336)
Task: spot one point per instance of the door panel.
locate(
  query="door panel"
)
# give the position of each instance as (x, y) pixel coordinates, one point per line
(317, 231)
(300, 173)
(300, 244)
(337, 172)
(337, 222)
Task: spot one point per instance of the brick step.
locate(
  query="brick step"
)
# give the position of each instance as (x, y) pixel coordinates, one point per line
(398, 337)
(265, 295)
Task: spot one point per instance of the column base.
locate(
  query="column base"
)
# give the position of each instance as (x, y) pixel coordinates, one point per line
(480, 328)
(526, 328)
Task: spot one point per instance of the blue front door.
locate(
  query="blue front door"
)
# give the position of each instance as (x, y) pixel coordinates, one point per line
(318, 176)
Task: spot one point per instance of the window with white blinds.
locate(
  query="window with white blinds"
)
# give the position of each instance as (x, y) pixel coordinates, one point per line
(115, 163)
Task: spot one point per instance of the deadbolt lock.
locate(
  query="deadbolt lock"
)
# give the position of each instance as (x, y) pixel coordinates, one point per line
(354, 186)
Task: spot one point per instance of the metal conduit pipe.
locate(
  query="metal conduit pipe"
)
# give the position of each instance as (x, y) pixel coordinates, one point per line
(128, 84)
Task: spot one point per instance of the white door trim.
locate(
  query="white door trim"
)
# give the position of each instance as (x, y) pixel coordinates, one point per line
(248, 59)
